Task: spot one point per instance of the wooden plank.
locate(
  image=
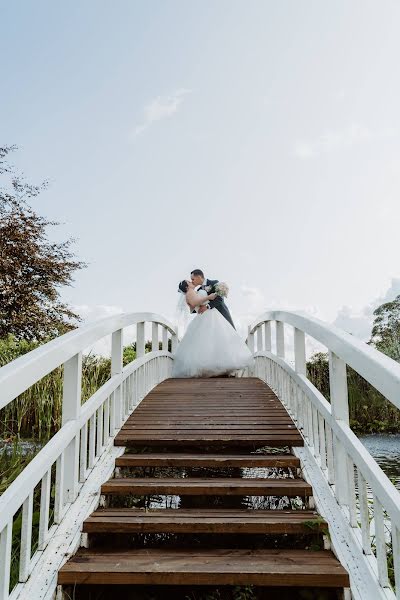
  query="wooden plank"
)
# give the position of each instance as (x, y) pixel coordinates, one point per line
(208, 460)
(196, 486)
(284, 568)
(204, 521)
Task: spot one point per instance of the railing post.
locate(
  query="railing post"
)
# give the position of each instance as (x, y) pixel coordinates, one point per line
(154, 337)
(116, 369)
(140, 343)
(300, 365)
(259, 339)
(165, 339)
(250, 341)
(267, 336)
(280, 339)
(300, 352)
(340, 412)
(5, 560)
(70, 411)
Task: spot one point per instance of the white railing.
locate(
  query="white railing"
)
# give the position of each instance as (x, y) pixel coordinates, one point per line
(348, 484)
(86, 433)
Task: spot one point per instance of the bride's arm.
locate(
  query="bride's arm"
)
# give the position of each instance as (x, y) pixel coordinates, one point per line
(194, 299)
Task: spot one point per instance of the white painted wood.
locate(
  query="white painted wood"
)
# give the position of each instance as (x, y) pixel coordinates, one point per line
(352, 493)
(396, 558)
(116, 370)
(165, 339)
(300, 351)
(92, 441)
(380, 370)
(140, 341)
(22, 373)
(364, 513)
(106, 430)
(66, 537)
(44, 510)
(380, 543)
(99, 430)
(59, 491)
(322, 442)
(280, 339)
(260, 339)
(26, 539)
(267, 336)
(70, 411)
(345, 543)
(5, 560)
(154, 337)
(64, 448)
(340, 410)
(83, 453)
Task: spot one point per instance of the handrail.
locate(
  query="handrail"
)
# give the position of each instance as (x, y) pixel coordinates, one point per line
(23, 372)
(86, 431)
(349, 484)
(377, 368)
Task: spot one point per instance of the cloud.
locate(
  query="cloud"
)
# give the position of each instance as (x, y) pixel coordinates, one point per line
(332, 141)
(359, 322)
(162, 107)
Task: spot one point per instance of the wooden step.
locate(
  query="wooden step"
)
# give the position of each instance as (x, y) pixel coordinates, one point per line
(208, 460)
(214, 439)
(283, 568)
(195, 486)
(131, 520)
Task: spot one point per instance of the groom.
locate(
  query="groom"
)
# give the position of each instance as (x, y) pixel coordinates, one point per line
(198, 279)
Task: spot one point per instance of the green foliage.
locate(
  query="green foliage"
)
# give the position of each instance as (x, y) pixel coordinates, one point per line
(386, 329)
(32, 268)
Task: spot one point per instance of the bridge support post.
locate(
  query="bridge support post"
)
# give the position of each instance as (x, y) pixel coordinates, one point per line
(116, 369)
(70, 411)
(280, 339)
(301, 369)
(340, 411)
(267, 336)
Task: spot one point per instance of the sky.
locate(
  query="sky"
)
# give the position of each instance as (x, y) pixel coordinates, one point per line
(259, 141)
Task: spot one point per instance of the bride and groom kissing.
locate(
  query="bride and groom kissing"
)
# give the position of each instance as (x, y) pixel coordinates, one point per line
(211, 347)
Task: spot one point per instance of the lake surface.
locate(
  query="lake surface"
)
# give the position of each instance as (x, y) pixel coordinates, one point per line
(385, 448)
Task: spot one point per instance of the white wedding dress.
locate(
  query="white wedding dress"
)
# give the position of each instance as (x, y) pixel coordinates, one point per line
(210, 347)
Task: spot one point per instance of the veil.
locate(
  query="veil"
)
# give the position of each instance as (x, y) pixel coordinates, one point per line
(182, 314)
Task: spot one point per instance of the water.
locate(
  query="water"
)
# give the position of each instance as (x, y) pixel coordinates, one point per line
(385, 448)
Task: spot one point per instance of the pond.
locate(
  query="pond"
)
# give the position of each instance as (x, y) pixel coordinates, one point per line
(385, 448)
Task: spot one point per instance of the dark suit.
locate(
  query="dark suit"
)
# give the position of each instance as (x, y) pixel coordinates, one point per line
(218, 303)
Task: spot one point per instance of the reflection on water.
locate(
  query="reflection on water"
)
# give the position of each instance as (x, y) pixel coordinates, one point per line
(385, 448)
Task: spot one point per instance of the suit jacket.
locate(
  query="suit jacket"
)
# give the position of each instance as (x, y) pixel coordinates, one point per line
(219, 302)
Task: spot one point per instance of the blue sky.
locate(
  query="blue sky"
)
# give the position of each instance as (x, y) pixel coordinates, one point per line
(257, 140)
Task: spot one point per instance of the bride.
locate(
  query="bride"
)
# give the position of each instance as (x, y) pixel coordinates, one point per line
(210, 346)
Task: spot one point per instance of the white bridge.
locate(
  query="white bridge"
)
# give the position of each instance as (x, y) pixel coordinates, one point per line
(360, 504)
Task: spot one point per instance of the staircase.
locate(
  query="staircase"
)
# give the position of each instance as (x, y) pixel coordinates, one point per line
(208, 493)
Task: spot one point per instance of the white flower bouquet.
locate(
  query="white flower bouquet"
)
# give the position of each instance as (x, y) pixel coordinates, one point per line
(221, 289)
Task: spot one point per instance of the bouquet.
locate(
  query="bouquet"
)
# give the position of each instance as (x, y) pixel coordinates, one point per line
(221, 289)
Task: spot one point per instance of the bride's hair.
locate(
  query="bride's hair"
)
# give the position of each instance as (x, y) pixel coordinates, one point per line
(183, 286)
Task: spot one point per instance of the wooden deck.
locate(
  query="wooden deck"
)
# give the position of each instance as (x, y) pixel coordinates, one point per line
(199, 441)
(210, 412)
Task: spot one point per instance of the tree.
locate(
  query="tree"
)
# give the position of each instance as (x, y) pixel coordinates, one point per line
(385, 334)
(32, 268)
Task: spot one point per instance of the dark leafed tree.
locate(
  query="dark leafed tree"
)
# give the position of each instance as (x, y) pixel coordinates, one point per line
(32, 268)
(386, 328)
